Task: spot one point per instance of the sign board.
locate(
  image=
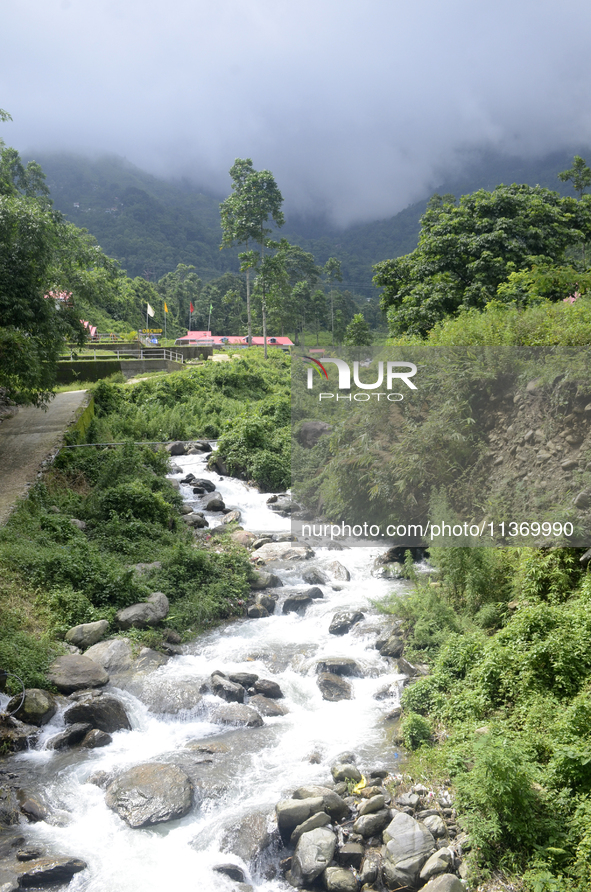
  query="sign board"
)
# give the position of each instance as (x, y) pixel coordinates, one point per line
(150, 331)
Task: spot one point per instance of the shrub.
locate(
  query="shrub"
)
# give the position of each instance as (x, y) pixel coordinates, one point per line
(415, 731)
(497, 797)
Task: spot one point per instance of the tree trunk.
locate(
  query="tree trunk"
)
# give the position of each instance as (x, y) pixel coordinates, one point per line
(248, 320)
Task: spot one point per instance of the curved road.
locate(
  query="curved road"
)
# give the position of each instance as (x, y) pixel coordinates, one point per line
(28, 439)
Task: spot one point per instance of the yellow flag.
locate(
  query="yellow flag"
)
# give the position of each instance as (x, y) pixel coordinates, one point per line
(165, 307)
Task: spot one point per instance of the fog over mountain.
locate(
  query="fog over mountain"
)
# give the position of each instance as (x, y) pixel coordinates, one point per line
(357, 108)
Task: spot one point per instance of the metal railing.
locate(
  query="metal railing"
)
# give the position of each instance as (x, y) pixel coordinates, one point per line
(147, 353)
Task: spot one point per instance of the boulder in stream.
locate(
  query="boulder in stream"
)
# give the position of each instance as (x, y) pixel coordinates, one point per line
(334, 687)
(257, 611)
(339, 571)
(267, 707)
(314, 576)
(49, 871)
(75, 672)
(236, 714)
(151, 793)
(344, 621)
(339, 666)
(227, 690)
(37, 708)
(268, 688)
(247, 838)
(297, 603)
(102, 711)
(232, 516)
(95, 739)
(70, 737)
(282, 552)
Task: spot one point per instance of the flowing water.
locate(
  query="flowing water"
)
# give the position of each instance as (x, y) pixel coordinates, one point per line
(255, 767)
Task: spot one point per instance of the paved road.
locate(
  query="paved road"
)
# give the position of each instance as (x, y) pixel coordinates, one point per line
(27, 439)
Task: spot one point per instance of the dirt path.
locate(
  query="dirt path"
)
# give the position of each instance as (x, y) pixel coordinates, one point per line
(27, 439)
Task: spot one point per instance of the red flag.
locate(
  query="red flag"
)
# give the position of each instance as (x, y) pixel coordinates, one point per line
(191, 306)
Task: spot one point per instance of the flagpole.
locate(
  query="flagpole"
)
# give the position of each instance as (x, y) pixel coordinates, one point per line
(209, 320)
(165, 315)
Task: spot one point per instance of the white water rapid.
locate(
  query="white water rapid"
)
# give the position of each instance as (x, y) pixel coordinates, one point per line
(255, 767)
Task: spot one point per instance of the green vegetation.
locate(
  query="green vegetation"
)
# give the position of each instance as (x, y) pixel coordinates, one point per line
(468, 250)
(55, 575)
(505, 709)
(244, 403)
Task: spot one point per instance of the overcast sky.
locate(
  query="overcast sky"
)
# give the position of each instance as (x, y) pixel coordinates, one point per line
(358, 108)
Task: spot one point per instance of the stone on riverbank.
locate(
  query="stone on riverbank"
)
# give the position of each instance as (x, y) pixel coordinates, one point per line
(152, 793)
(408, 846)
(87, 634)
(114, 655)
(333, 804)
(447, 882)
(293, 812)
(312, 856)
(145, 614)
(372, 824)
(438, 863)
(345, 771)
(75, 672)
(37, 707)
(338, 879)
(16, 736)
(262, 579)
(320, 819)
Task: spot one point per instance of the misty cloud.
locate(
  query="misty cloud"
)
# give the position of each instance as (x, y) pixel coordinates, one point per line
(357, 108)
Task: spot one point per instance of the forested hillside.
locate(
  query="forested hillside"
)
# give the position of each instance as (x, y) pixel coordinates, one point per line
(150, 225)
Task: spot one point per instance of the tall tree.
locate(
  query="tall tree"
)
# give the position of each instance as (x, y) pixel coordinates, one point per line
(332, 271)
(245, 214)
(358, 333)
(45, 264)
(579, 174)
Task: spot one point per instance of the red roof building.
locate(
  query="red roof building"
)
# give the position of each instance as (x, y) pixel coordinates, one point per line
(206, 337)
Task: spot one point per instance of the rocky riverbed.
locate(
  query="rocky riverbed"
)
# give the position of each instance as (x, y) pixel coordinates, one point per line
(260, 756)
